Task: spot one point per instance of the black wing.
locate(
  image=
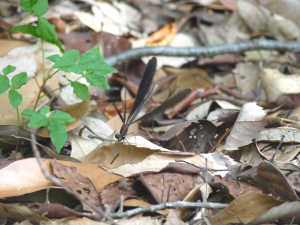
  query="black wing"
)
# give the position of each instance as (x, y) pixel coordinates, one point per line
(144, 86)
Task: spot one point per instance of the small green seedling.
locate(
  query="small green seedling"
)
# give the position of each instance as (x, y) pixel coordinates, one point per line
(90, 66)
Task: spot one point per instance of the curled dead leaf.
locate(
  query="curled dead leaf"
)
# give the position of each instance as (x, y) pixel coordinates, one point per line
(247, 126)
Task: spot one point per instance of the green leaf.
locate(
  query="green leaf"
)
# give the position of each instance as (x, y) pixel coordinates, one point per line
(28, 113)
(61, 117)
(97, 80)
(41, 7)
(58, 134)
(27, 5)
(19, 80)
(93, 62)
(68, 62)
(81, 90)
(90, 57)
(9, 69)
(15, 98)
(35, 7)
(4, 84)
(53, 58)
(44, 110)
(46, 31)
(26, 29)
(35, 119)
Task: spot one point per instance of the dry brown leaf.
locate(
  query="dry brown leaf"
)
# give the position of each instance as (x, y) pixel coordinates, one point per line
(54, 210)
(140, 219)
(32, 179)
(247, 126)
(246, 75)
(272, 181)
(261, 20)
(275, 135)
(250, 155)
(133, 150)
(293, 179)
(281, 156)
(81, 147)
(8, 45)
(163, 36)
(288, 9)
(155, 163)
(111, 194)
(239, 208)
(70, 177)
(74, 221)
(202, 110)
(174, 218)
(288, 209)
(255, 16)
(193, 78)
(276, 84)
(20, 213)
(158, 184)
(234, 187)
(98, 126)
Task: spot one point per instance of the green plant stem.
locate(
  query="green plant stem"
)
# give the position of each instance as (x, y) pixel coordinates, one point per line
(19, 119)
(42, 87)
(21, 125)
(43, 56)
(58, 88)
(50, 76)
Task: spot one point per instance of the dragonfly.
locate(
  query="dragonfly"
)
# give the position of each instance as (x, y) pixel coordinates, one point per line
(138, 103)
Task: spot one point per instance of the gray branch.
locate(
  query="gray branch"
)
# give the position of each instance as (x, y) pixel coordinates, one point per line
(206, 51)
(178, 204)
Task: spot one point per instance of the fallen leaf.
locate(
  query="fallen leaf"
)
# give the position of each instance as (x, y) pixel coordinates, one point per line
(79, 184)
(155, 163)
(167, 187)
(132, 150)
(239, 208)
(11, 184)
(283, 211)
(163, 36)
(234, 187)
(20, 213)
(247, 126)
(281, 83)
(272, 181)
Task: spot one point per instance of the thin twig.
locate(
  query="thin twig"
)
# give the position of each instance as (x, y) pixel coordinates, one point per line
(207, 51)
(121, 203)
(279, 145)
(178, 204)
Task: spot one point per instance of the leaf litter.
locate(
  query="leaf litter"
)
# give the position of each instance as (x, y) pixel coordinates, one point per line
(224, 150)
